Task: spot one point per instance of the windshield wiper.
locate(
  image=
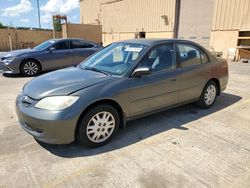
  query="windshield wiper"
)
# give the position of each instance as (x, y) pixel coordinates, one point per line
(96, 70)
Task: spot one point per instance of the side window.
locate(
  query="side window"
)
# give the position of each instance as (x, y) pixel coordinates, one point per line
(63, 45)
(189, 55)
(80, 44)
(160, 58)
(204, 57)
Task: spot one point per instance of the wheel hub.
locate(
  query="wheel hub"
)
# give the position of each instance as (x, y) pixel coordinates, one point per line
(30, 68)
(100, 126)
(210, 94)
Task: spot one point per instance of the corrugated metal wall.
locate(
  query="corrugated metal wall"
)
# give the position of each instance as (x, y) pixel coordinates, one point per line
(129, 15)
(133, 15)
(231, 15)
(195, 22)
(90, 10)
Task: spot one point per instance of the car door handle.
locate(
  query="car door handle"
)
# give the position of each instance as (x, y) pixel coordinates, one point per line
(173, 80)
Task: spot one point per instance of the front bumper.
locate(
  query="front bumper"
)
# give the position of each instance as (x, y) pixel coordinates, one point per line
(5, 69)
(12, 68)
(47, 126)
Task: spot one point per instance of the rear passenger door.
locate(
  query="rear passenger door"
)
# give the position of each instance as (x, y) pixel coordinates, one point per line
(195, 71)
(81, 50)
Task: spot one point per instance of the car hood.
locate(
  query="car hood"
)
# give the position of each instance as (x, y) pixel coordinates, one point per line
(63, 82)
(15, 53)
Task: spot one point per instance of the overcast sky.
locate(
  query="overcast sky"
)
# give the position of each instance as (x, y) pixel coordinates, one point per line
(24, 12)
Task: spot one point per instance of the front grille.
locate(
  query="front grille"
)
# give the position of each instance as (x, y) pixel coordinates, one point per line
(27, 101)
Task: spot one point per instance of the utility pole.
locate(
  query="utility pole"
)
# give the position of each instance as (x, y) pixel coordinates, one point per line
(177, 18)
(38, 11)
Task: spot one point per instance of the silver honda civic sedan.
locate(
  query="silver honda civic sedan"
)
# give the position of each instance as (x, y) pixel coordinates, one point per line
(124, 81)
(49, 55)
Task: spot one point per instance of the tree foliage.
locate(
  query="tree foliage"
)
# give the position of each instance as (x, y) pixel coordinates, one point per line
(1, 26)
(57, 24)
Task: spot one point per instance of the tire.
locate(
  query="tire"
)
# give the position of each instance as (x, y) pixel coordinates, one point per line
(208, 96)
(30, 68)
(94, 133)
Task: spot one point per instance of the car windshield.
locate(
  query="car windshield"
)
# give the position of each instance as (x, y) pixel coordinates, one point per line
(44, 45)
(115, 59)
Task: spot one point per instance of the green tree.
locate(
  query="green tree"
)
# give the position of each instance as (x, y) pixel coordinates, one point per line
(57, 24)
(1, 26)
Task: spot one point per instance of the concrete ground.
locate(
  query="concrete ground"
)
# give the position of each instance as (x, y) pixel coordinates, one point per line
(182, 147)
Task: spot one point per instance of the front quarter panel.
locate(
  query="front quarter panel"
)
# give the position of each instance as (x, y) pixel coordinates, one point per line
(114, 89)
(38, 55)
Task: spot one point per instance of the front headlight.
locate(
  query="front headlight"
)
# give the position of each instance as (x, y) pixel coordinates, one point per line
(56, 102)
(8, 60)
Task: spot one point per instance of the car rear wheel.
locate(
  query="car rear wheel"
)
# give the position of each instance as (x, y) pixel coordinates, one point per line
(208, 95)
(30, 68)
(98, 126)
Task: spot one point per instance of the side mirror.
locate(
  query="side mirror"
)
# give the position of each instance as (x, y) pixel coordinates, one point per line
(51, 49)
(141, 71)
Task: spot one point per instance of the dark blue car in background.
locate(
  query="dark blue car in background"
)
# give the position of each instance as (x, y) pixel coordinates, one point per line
(49, 55)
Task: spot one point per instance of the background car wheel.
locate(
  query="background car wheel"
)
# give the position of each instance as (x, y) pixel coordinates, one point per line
(30, 68)
(98, 126)
(208, 95)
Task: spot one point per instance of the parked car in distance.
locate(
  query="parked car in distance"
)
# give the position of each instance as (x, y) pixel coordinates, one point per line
(124, 81)
(49, 55)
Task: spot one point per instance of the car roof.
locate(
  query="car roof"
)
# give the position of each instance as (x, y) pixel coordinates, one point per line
(57, 39)
(155, 41)
(63, 39)
(152, 41)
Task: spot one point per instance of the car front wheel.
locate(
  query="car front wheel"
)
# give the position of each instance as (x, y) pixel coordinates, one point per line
(98, 126)
(208, 95)
(30, 68)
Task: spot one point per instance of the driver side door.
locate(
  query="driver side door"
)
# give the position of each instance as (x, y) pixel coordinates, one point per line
(159, 89)
(59, 57)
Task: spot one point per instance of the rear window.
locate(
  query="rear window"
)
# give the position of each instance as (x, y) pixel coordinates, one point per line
(190, 55)
(80, 44)
(204, 57)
